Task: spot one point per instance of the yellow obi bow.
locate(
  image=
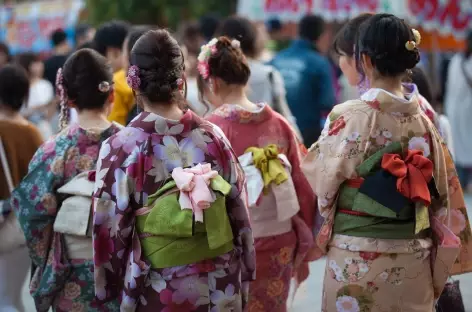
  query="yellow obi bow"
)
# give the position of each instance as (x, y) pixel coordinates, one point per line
(267, 161)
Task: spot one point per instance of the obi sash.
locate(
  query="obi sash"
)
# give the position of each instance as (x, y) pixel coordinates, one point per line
(269, 186)
(390, 197)
(173, 235)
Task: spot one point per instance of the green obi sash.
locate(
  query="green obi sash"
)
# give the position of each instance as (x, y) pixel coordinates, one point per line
(169, 235)
(362, 216)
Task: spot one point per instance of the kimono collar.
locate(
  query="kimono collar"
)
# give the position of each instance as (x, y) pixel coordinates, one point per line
(387, 102)
(152, 123)
(239, 114)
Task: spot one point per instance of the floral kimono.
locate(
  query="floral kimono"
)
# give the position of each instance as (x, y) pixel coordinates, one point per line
(281, 243)
(58, 282)
(143, 163)
(395, 222)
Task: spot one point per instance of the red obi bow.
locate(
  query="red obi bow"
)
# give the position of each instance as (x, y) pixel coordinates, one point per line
(414, 173)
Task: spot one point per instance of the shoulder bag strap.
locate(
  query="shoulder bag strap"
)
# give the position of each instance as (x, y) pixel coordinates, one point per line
(6, 167)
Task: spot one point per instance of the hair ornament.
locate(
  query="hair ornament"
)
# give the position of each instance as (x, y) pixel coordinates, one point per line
(180, 82)
(417, 36)
(235, 44)
(104, 86)
(206, 52)
(410, 45)
(60, 90)
(133, 79)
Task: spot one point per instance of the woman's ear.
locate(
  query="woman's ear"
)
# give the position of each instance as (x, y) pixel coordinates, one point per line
(367, 65)
(111, 96)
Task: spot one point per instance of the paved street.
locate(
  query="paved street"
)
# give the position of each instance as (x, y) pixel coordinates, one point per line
(308, 298)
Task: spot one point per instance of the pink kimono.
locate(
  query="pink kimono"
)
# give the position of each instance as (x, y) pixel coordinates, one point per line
(281, 223)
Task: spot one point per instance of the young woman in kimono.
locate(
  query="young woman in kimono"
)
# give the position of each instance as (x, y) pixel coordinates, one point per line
(344, 44)
(62, 280)
(171, 230)
(387, 188)
(282, 205)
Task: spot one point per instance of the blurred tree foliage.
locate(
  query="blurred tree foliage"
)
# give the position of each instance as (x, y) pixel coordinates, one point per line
(165, 13)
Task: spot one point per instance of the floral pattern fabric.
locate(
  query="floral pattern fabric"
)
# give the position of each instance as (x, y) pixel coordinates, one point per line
(58, 281)
(357, 129)
(276, 254)
(137, 162)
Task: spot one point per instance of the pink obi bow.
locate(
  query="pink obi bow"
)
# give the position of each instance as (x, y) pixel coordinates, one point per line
(194, 186)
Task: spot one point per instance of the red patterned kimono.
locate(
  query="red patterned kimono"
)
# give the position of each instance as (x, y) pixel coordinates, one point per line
(279, 245)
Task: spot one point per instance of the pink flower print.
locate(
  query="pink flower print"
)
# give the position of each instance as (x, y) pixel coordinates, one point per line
(457, 220)
(128, 139)
(72, 291)
(92, 151)
(189, 288)
(136, 171)
(102, 246)
(178, 154)
(172, 306)
(49, 147)
(352, 268)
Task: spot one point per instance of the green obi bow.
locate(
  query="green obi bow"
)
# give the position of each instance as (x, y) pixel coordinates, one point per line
(267, 161)
(169, 235)
(371, 206)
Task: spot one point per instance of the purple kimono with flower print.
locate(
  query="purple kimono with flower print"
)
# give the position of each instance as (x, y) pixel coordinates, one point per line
(58, 282)
(135, 163)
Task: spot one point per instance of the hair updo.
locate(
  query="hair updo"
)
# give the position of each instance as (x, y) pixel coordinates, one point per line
(161, 64)
(229, 63)
(83, 73)
(383, 38)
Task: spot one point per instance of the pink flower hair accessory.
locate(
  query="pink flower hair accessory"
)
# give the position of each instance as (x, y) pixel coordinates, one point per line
(133, 79)
(206, 52)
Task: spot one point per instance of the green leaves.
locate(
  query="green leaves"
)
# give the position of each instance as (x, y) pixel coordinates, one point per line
(165, 13)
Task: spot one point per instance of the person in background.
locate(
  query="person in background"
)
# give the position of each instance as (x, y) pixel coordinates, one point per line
(278, 40)
(265, 82)
(40, 105)
(387, 232)
(308, 77)
(458, 107)
(192, 39)
(84, 34)
(159, 255)
(108, 41)
(61, 50)
(63, 278)
(281, 205)
(209, 25)
(420, 79)
(20, 140)
(135, 33)
(5, 56)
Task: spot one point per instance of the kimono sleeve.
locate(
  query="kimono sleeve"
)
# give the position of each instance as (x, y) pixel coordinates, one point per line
(236, 205)
(332, 160)
(35, 201)
(113, 222)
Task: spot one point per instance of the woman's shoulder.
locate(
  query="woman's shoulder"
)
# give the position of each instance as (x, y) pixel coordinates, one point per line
(350, 106)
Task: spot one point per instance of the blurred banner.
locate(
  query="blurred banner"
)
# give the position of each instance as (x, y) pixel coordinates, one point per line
(27, 26)
(449, 17)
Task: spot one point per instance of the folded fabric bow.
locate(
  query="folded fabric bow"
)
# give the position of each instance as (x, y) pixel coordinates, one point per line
(413, 174)
(267, 161)
(194, 186)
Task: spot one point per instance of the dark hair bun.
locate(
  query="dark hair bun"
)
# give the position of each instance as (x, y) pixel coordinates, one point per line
(83, 72)
(229, 63)
(160, 61)
(383, 37)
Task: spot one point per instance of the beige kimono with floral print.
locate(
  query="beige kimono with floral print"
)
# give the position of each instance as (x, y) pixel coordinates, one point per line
(370, 274)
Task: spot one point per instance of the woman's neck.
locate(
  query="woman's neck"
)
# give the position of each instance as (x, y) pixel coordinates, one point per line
(93, 119)
(173, 111)
(392, 85)
(237, 96)
(10, 115)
